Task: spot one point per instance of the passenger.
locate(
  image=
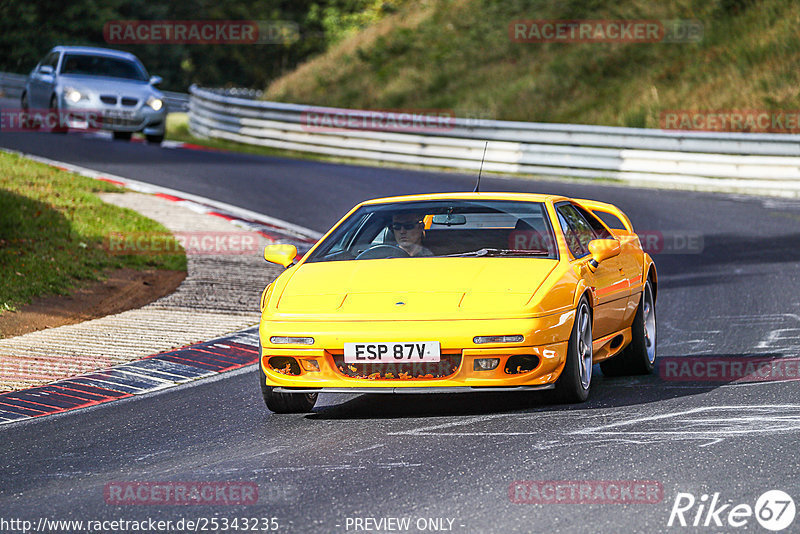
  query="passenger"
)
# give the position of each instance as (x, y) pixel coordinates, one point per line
(408, 231)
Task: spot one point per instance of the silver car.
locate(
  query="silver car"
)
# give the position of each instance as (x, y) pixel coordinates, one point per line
(113, 85)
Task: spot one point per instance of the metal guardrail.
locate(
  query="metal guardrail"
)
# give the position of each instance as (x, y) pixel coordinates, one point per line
(11, 86)
(767, 162)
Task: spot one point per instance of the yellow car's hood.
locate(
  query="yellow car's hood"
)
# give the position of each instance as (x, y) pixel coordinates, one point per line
(413, 288)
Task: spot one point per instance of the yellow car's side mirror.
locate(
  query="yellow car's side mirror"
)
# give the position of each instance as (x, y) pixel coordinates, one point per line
(601, 250)
(281, 254)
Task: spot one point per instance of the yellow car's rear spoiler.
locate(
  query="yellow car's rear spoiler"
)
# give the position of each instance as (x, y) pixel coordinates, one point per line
(594, 205)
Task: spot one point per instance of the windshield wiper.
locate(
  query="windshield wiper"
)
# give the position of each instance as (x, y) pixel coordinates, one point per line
(500, 252)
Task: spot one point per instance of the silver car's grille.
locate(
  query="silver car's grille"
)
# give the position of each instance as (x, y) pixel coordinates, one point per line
(108, 99)
(129, 101)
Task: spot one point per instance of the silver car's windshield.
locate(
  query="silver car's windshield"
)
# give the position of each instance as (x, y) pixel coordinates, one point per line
(98, 65)
(441, 228)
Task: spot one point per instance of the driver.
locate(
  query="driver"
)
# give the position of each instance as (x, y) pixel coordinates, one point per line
(408, 232)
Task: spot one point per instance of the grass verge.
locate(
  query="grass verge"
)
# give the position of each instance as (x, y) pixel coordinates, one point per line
(460, 55)
(53, 228)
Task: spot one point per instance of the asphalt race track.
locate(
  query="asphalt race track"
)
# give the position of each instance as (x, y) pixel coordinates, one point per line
(727, 290)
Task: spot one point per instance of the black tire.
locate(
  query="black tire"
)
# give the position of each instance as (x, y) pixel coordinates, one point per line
(639, 357)
(285, 402)
(122, 136)
(54, 107)
(155, 139)
(572, 386)
(25, 105)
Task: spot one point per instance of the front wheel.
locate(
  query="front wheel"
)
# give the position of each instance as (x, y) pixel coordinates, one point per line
(639, 357)
(33, 124)
(285, 402)
(155, 139)
(60, 127)
(576, 378)
(122, 136)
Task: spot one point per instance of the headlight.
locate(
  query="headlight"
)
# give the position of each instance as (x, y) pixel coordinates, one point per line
(73, 95)
(155, 103)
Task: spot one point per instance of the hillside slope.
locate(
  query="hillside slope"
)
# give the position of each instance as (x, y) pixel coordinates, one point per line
(458, 55)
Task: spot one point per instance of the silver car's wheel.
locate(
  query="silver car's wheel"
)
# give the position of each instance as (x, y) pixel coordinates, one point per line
(639, 357)
(576, 379)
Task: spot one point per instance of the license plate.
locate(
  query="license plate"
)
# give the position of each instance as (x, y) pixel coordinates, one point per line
(117, 114)
(412, 351)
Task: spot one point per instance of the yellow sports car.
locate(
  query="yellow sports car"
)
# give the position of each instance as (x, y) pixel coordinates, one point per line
(459, 292)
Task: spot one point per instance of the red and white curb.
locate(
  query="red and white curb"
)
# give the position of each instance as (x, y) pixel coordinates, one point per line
(166, 369)
(156, 372)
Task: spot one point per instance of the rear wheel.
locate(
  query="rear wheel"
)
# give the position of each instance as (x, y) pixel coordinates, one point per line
(122, 136)
(576, 378)
(285, 402)
(639, 357)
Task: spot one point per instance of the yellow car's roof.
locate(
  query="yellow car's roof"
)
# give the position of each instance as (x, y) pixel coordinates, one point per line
(527, 197)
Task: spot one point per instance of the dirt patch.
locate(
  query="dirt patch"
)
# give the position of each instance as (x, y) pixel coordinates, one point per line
(124, 289)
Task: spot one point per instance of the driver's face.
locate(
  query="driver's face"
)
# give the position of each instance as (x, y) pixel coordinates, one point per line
(407, 228)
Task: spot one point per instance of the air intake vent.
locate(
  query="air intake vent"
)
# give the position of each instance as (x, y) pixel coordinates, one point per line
(108, 99)
(128, 101)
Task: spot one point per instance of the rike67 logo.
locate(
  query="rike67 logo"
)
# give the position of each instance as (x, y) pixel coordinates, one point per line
(774, 510)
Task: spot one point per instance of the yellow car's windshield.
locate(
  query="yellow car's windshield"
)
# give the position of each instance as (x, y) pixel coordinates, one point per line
(441, 228)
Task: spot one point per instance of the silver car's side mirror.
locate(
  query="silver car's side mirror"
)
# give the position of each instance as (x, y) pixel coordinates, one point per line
(45, 69)
(155, 80)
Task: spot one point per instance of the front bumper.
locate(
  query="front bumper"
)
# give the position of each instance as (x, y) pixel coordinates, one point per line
(545, 342)
(420, 390)
(115, 118)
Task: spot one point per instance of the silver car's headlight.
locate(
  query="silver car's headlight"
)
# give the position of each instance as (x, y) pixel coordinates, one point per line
(73, 95)
(155, 103)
